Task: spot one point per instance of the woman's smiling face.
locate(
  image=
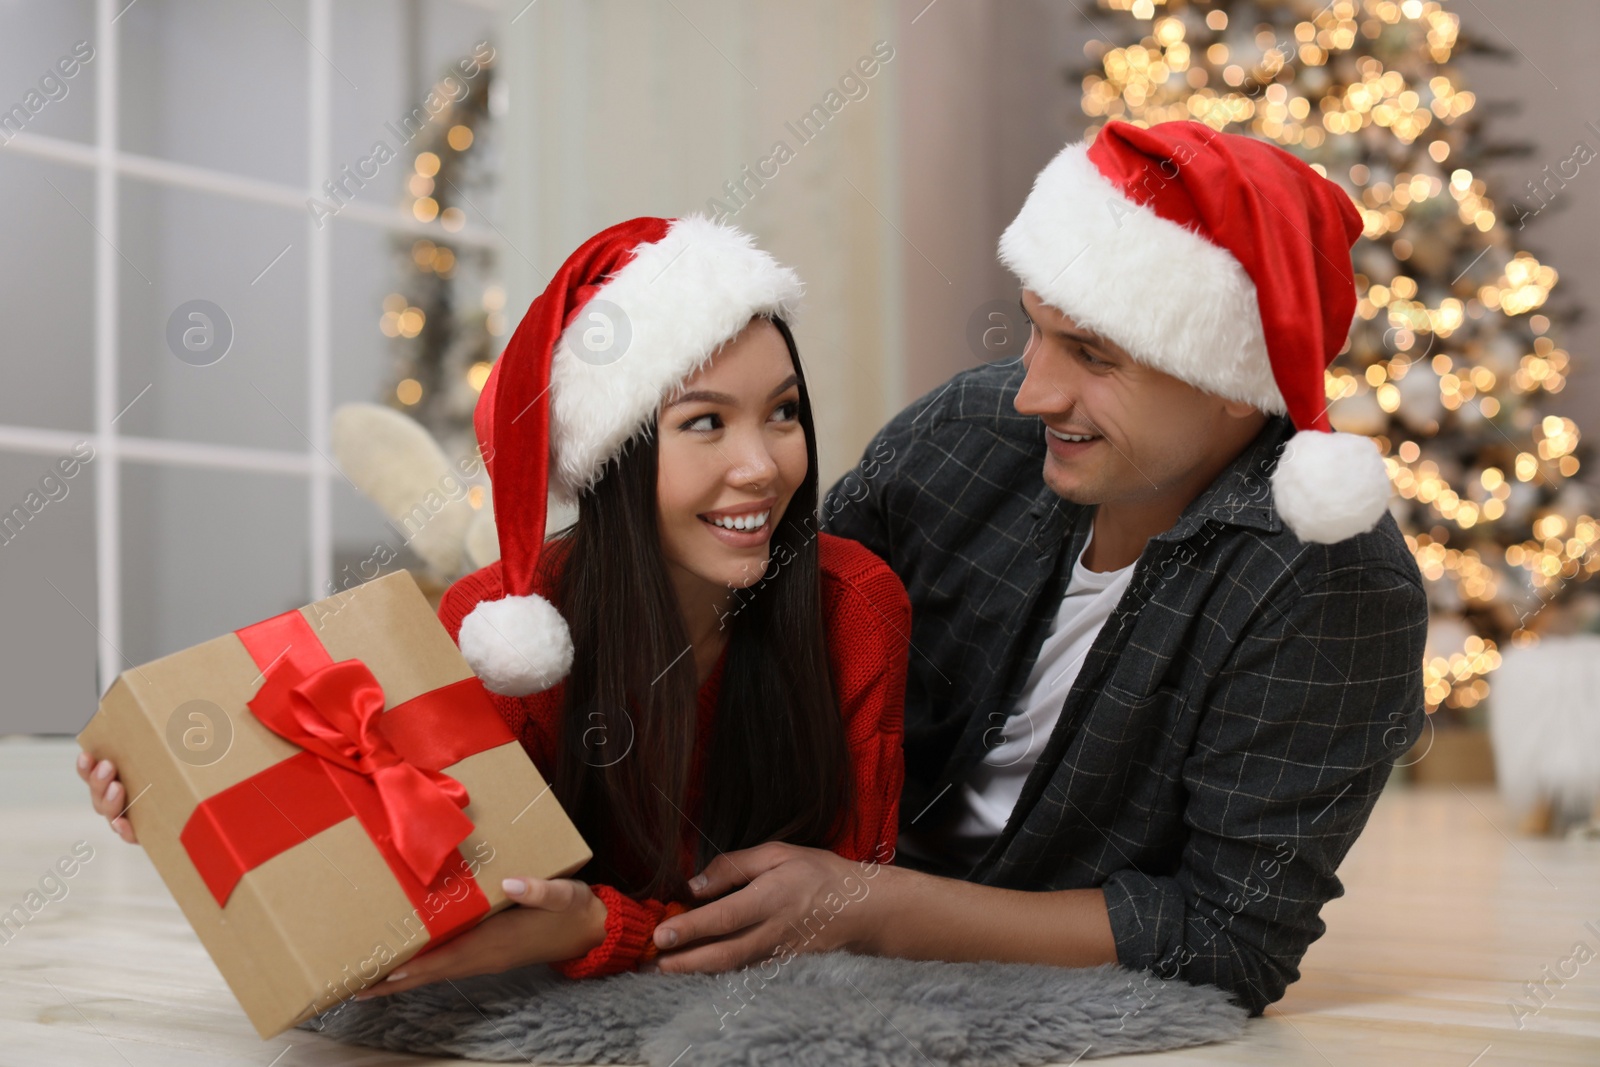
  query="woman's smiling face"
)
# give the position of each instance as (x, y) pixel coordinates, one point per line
(731, 453)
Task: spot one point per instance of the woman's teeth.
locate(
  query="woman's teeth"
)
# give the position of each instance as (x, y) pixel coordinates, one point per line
(742, 522)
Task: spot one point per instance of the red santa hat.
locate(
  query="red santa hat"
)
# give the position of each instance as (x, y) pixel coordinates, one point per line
(1223, 261)
(629, 317)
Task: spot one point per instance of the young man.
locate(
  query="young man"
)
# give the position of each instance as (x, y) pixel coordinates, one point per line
(1165, 648)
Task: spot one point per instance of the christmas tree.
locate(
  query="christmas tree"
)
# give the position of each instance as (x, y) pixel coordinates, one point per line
(448, 309)
(1452, 350)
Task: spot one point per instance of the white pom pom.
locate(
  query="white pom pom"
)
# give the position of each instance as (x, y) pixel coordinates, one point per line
(517, 645)
(1330, 486)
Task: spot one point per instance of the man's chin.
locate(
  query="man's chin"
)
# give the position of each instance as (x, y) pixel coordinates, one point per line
(1072, 487)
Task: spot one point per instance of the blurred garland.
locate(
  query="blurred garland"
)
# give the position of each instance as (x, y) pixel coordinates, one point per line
(448, 310)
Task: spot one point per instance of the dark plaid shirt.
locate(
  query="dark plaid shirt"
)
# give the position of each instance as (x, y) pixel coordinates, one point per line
(1228, 733)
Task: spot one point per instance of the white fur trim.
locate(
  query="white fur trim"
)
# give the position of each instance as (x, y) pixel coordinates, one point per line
(684, 297)
(1330, 486)
(1171, 298)
(517, 645)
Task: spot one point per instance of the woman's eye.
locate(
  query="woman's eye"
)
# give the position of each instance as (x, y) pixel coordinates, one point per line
(787, 411)
(702, 424)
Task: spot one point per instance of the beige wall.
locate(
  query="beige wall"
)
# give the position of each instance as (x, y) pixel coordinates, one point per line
(986, 106)
(648, 108)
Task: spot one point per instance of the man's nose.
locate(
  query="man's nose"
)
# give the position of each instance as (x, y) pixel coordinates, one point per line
(1044, 391)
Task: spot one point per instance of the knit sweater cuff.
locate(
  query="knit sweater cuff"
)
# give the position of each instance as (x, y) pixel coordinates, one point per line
(650, 950)
(629, 928)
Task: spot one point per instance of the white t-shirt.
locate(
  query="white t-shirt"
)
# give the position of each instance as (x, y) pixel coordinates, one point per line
(992, 789)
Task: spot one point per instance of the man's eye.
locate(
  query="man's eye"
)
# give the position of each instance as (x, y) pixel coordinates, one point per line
(703, 424)
(1089, 358)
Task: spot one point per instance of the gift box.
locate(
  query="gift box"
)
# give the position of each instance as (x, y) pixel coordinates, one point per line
(327, 793)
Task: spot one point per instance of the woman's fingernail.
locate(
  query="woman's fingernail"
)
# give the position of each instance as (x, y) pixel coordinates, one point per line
(697, 883)
(666, 938)
(395, 977)
(514, 887)
(104, 770)
(83, 761)
(362, 996)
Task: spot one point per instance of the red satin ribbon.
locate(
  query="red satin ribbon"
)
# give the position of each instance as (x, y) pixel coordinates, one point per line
(383, 768)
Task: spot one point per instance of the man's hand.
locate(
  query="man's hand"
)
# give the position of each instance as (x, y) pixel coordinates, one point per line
(809, 899)
(797, 900)
(556, 919)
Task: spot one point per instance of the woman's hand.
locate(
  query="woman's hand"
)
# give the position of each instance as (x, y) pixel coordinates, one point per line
(556, 919)
(107, 794)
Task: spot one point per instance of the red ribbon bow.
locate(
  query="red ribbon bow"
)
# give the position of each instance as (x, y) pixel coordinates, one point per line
(336, 712)
(383, 768)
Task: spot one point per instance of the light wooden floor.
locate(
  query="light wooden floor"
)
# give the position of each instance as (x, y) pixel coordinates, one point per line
(1445, 917)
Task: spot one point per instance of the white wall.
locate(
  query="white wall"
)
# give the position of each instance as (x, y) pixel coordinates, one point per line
(223, 87)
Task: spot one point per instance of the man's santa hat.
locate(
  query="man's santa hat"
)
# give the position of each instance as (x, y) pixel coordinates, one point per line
(1222, 261)
(578, 380)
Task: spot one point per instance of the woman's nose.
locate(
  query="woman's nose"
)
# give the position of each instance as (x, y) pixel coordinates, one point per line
(752, 462)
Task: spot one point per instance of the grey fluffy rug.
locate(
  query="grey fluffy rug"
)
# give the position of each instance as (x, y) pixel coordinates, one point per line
(832, 1009)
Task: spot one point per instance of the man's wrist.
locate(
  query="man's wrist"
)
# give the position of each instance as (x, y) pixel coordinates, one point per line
(883, 912)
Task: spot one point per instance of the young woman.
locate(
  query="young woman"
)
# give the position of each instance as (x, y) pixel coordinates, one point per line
(693, 666)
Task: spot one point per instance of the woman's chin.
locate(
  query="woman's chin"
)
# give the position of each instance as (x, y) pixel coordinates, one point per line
(733, 569)
(752, 574)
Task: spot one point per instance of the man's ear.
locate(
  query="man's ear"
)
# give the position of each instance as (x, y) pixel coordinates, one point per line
(1238, 409)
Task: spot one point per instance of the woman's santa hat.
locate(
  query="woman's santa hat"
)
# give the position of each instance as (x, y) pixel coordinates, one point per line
(629, 317)
(1222, 261)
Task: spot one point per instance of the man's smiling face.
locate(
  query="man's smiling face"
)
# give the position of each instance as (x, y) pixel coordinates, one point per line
(1117, 430)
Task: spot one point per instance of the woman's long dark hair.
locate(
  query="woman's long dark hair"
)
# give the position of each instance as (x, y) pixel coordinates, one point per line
(777, 767)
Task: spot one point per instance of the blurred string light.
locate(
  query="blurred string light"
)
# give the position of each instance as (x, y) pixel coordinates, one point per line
(401, 319)
(1450, 352)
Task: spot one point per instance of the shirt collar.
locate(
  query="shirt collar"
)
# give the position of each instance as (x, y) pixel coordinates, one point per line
(1242, 494)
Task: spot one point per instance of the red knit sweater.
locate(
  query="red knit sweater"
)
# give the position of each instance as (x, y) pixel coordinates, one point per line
(868, 622)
